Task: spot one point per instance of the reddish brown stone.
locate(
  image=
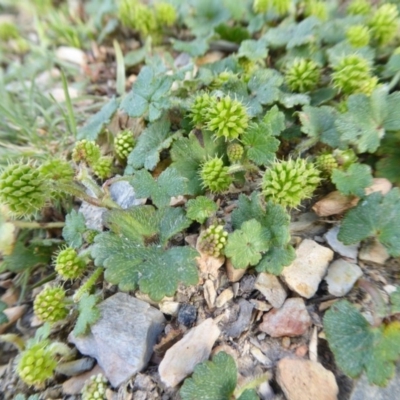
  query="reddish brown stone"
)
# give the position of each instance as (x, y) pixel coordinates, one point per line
(292, 319)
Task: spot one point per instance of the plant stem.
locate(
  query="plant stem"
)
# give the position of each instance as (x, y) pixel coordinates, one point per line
(37, 225)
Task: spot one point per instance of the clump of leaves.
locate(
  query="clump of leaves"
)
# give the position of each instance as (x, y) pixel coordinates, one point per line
(217, 379)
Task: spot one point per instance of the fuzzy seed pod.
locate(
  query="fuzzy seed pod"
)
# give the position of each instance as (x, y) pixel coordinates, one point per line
(358, 35)
(57, 169)
(326, 163)
(212, 241)
(235, 152)
(135, 15)
(359, 7)
(123, 144)
(87, 151)
(165, 14)
(95, 388)
(351, 73)
(222, 78)
(289, 182)
(89, 235)
(345, 158)
(200, 106)
(281, 7)
(227, 117)
(69, 265)
(8, 31)
(50, 305)
(23, 189)
(384, 24)
(102, 168)
(36, 364)
(317, 9)
(215, 176)
(302, 75)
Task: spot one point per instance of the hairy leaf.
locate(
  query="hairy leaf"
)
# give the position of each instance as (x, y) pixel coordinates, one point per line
(246, 245)
(254, 50)
(194, 48)
(354, 180)
(148, 95)
(200, 208)
(168, 184)
(98, 121)
(374, 216)
(214, 379)
(88, 314)
(75, 227)
(275, 121)
(358, 346)
(260, 145)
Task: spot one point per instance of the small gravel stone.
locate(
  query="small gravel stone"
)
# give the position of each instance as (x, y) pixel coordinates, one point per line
(234, 275)
(224, 297)
(307, 270)
(242, 323)
(292, 319)
(187, 315)
(373, 251)
(272, 289)
(350, 251)
(306, 380)
(169, 307)
(195, 347)
(341, 277)
(75, 367)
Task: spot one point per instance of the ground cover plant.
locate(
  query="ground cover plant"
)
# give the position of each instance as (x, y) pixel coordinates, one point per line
(224, 120)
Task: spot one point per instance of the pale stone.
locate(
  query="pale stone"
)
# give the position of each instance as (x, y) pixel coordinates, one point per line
(234, 275)
(224, 297)
(292, 319)
(349, 251)
(306, 272)
(59, 94)
(122, 339)
(306, 380)
(272, 289)
(260, 305)
(334, 203)
(210, 293)
(72, 55)
(195, 347)
(260, 356)
(374, 251)
(342, 276)
(382, 185)
(169, 307)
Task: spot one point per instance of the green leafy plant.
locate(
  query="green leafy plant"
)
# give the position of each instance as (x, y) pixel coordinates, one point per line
(217, 379)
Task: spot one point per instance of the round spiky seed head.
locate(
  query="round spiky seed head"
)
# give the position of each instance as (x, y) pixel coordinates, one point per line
(289, 182)
(36, 364)
(351, 73)
(69, 265)
(281, 7)
(50, 305)
(23, 189)
(123, 144)
(326, 163)
(200, 106)
(369, 85)
(316, 9)
(235, 152)
(212, 241)
(358, 35)
(345, 158)
(57, 169)
(135, 15)
(8, 31)
(102, 168)
(384, 24)
(227, 117)
(87, 151)
(89, 235)
(214, 175)
(95, 388)
(165, 14)
(302, 75)
(222, 78)
(359, 7)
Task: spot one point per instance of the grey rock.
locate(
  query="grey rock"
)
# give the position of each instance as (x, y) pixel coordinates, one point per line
(364, 391)
(272, 289)
(124, 195)
(187, 315)
(93, 215)
(75, 367)
(341, 277)
(236, 328)
(122, 339)
(350, 251)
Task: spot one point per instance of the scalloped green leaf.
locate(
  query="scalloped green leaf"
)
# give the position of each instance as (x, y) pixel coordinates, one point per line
(88, 314)
(354, 180)
(200, 208)
(75, 227)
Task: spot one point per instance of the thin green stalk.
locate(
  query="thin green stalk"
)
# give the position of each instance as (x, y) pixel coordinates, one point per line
(37, 225)
(71, 116)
